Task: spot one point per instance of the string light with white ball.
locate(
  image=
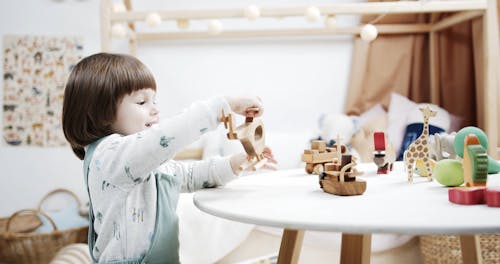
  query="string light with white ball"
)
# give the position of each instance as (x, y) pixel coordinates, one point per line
(252, 12)
(153, 19)
(214, 27)
(367, 33)
(183, 23)
(118, 30)
(119, 7)
(312, 14)
(330, 21)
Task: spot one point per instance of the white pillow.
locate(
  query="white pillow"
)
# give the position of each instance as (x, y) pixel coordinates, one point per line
(332, 125)
(441, 120)
(399, 108)
(372, 113)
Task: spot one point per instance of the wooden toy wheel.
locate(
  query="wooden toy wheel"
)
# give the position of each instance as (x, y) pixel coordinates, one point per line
(309, 168)
(318, 169)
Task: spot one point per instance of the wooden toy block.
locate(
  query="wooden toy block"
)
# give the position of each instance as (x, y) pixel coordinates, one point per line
(311, 151)
(492, 196)
(346, 159)
(379, 141)
(466, 195)
(319, 145)
(343, 149)
(382, 157)
(315, 168)
(318, 156)
(332, 166)
(475, 162)
(252, 137)
(420, 148)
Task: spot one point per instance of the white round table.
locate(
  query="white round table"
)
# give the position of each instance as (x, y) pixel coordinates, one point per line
(293, 200)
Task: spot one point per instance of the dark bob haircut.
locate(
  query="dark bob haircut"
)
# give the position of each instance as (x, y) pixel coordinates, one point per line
(94, 89)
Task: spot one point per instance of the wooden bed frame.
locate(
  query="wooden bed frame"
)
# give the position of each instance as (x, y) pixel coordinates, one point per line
(463, 11)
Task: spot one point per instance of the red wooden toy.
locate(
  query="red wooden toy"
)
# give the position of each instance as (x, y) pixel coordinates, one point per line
(466, 195)
(383, 157)
(492, 196)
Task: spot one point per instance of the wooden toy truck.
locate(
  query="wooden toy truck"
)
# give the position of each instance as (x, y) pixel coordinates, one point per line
(316, 157)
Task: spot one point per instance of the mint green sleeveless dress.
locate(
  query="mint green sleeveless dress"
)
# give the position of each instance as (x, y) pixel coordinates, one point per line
(164, 247)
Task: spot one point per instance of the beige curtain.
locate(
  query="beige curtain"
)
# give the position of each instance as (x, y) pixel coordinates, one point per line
(399, 63)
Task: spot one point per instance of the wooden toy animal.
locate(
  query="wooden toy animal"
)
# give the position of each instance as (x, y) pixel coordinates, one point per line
(252, 137)
(384, 155)
(442, 146)
(420, 149)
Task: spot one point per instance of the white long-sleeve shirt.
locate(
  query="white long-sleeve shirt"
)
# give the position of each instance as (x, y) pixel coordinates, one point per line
(122, 178)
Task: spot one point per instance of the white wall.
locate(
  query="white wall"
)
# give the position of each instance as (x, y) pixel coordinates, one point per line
(297, 78)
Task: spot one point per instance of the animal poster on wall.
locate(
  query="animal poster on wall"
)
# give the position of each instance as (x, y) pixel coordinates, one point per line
(35, 71)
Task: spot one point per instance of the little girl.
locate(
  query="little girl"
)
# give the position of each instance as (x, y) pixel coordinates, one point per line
(111, 120)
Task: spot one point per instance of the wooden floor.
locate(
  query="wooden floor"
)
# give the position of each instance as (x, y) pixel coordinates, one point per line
(260, 243)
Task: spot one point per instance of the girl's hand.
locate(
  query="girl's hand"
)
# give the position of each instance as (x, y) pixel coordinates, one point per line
(238, 159)
(249, 106)
(271, 163)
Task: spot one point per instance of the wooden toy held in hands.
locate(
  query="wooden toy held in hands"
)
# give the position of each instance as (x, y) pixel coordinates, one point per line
(252, 137)
(420, 149)
(384, 155)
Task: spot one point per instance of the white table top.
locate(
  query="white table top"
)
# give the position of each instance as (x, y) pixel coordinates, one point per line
(293, 199)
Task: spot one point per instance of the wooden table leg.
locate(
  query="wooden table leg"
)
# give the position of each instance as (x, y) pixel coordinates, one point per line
(291, 243)
(471, 249)
(356, 249)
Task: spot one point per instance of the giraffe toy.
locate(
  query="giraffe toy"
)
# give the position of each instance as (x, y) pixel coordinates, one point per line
(420, 149)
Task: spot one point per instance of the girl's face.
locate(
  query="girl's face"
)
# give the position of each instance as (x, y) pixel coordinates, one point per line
(137, 111)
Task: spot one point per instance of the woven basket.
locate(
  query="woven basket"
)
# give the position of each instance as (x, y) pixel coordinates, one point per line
(16, 247)
(446, 248)
(23, 223)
